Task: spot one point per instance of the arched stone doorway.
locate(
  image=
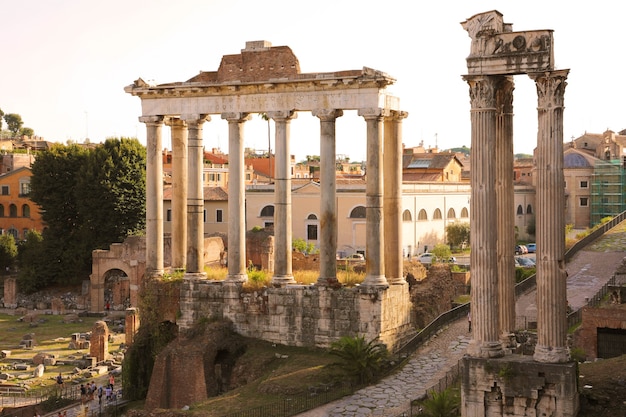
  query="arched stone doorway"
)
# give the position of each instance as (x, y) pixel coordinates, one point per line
(117, 273)
(116, 290)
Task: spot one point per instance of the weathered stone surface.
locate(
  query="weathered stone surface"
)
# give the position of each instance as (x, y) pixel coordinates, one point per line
(192, 369)
(99, 341)
(38, 371)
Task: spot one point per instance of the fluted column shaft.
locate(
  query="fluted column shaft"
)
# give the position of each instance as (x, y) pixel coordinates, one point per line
(179, 193)
(328, 197)
(236, 198)
(154, 195)
(283, 273)
(485, 321)
(374, 227)
(392, 173)
(506, 209)
(195, 197)
(551, 275)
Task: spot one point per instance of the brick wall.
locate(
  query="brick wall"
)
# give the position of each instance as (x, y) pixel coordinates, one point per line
(593, 318)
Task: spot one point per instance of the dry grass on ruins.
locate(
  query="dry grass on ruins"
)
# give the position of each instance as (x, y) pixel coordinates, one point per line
(259, 279)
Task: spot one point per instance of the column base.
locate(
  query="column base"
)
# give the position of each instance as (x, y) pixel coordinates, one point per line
(546, 354)
(155, 273)
(328, 282)
(375, 281)
(237, 278)
(282, 280)
(195, 276)
(478, 349)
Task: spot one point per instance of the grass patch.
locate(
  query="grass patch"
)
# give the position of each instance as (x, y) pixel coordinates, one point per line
(52, 336)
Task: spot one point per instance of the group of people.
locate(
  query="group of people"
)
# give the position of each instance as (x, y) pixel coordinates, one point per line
(89, 391)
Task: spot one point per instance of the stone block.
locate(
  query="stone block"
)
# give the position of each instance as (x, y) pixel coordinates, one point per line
(38, 371)
(5, 354)
(21, 367)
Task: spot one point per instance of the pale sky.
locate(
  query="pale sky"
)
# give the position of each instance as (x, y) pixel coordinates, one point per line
(65, 63)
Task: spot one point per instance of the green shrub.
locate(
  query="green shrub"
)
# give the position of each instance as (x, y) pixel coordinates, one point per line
(360, 359)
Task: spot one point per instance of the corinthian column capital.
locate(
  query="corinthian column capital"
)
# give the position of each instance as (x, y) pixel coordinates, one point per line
(550, 88)
(482, 91)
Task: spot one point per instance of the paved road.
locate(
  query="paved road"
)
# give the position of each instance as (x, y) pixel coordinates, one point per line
(588, 271)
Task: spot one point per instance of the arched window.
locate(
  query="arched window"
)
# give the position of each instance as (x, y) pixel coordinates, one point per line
(12, 210)
(451, 214)
(13, 232)
(267, 211)
(406, 216)
(464, 213)
(358, 213)
(25, 210)
(422, 215)
(1, 210)
(311, 227)
(520, 210)
(529, 209)
(437, 215)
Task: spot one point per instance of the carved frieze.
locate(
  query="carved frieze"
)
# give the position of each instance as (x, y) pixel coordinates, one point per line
(496, 49)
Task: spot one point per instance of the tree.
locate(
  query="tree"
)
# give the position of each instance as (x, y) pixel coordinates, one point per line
(302, 246)
(14, 122)
(89, 199)
(8, 251)
(360, 359)
(29, 253)
(1, 116)
(113, 184)
(442, 252)
(27, 131)
(458, 234)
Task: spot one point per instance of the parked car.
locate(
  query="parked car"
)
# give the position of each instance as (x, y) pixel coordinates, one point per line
(520, 249)
(356, 257)
(426, 258)
(532, 247)
(524, 262)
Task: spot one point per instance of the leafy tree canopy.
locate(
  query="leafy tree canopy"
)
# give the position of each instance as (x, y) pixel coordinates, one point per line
(90, 198)
(8, 251)
(14, 122)
(458, 234)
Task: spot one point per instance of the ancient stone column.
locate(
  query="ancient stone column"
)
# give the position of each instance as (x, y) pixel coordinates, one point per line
(374, 227)
(179, 193)
(195, 197)
(283, 273)
(154, 195)
(236, 198)
(328, 197)
(550, 224)
(506, 209)
(392, 201)
(131, 325)
(483, 210)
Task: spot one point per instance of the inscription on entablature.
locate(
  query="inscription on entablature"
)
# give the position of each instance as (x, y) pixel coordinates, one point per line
(511, 53)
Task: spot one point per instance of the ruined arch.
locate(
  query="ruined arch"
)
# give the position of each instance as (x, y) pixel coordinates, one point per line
(117, 273)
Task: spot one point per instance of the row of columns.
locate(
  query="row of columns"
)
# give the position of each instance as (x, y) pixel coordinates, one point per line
(383, 196)
(493, 272)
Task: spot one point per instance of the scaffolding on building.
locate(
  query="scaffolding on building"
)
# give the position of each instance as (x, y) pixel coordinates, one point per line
(608, 190)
